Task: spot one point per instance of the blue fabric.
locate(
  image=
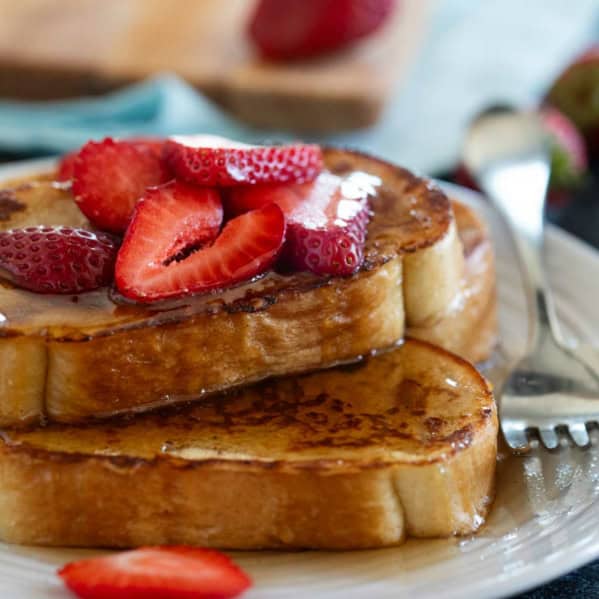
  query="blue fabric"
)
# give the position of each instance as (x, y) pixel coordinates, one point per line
(161, 106)
(475, 53)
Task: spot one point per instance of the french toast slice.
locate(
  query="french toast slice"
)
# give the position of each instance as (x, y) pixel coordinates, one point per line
(97, 354)
(469, 325)
(401, 444)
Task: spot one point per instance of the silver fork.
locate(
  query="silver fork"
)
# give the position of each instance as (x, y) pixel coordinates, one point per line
(552, 389)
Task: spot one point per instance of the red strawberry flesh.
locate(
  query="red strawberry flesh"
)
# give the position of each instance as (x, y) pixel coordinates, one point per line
(297, 29)
(175, 572)
(66, 167)
(326, 220)
(57, 259)
(167, 253)
(210, 160)
(110, 176)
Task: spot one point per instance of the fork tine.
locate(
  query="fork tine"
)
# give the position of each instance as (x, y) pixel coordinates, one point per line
(579, 434)
(549, 438)
(515, 436)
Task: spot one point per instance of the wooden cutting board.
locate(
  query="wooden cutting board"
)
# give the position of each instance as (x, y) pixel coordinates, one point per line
(60, 48)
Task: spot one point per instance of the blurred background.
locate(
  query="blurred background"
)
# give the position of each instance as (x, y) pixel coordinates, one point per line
(398, 78)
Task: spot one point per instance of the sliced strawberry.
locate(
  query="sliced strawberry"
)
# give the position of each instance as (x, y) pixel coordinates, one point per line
(167, 252)
(110, 176)
(57, 259)
(211, 160)
(326, 220)
(302, 28)
(156, 573)
(151, 145)
(66, 167)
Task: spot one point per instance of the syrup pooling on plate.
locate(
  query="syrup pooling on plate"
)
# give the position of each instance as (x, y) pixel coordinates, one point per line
(395, 227)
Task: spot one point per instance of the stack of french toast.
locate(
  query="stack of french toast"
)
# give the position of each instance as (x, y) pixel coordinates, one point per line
(244, 347)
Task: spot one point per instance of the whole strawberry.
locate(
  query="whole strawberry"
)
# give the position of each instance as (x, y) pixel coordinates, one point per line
(302, 28)
(576, 94)
(568, 155)
(569, 162)
(57, 259)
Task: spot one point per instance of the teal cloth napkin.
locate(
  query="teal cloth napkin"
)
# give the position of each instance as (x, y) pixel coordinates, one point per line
(476, 53)
(163, 105)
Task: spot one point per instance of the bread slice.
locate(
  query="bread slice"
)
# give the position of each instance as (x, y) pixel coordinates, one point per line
(96, 354)
(468, 327)
(401, 444)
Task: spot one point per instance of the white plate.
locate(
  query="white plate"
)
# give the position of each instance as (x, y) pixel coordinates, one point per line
(543, 524)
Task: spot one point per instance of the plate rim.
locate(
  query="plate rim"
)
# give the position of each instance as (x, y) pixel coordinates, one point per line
(534, 574)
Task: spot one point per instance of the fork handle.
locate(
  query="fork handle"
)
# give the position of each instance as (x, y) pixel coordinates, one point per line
(527, 228)
(541, 309)
(529, 241)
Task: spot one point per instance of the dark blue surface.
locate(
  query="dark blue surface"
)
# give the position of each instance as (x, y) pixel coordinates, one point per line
(583, 583)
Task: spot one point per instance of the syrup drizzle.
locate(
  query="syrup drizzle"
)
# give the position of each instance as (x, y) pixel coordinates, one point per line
(397, 198)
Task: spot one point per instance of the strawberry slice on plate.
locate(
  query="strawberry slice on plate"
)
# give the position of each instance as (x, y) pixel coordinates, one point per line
(212, 160)
(171, 247)
(175, 572)
(326, 220)
(57, 259)
(302, 28)
(110, 176)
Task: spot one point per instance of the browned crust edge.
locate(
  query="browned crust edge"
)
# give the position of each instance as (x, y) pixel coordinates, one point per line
(328, 465)
(439, 202)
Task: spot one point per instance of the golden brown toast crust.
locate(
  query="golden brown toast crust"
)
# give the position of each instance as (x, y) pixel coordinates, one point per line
(104, 356)
(469, 326)
(408, 214)
(141, 367)
(360, 456)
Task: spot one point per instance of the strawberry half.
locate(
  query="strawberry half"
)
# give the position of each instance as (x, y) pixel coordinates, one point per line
(57, 259)
(156, 573)
(170, 247)
(110, 176)
(211, 160)
(326, 220)
(303, 28)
